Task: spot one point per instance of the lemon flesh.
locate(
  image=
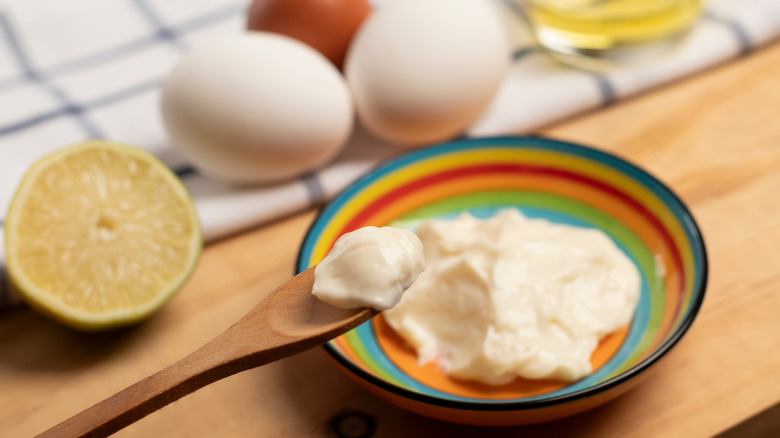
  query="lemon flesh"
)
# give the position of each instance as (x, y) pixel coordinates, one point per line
(100, 235)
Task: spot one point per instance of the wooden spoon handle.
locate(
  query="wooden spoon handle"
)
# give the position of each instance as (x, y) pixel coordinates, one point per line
(144, 397)
(288, 321)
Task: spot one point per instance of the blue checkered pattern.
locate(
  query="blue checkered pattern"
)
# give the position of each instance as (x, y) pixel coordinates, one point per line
(77, 69)
(60, 90)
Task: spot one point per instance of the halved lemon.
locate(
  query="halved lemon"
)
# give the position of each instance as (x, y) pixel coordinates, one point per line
(100, 235)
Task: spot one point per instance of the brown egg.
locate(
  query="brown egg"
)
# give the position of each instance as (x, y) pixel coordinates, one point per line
(326, 25)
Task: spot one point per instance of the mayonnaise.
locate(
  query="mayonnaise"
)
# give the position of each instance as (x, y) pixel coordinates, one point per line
(369, 267)
(510, 296)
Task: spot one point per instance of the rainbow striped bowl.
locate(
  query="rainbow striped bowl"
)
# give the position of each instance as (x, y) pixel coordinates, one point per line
(543, 178)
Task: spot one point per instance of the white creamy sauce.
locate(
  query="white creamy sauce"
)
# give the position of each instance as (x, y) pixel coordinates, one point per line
(509, 296)
(369, 267)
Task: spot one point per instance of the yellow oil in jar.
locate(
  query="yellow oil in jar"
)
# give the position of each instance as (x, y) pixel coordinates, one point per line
(596, 25)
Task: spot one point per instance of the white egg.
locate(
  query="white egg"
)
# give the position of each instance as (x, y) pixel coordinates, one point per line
(421, 71)
(256, 108)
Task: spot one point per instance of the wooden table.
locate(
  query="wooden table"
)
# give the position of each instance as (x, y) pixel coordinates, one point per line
(714, 138)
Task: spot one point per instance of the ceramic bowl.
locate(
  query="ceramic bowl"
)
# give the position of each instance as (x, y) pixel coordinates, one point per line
(543, 178)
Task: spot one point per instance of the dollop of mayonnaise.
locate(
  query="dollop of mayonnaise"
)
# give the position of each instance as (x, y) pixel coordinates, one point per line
(509, 296)
(369, 267)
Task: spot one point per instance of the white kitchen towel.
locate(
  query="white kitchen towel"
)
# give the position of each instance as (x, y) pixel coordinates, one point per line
(77, 69)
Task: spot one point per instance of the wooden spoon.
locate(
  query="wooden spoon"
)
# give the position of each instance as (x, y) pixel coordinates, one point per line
(288, 321)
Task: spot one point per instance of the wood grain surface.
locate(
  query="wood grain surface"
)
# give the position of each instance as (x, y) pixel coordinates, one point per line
(714, 138)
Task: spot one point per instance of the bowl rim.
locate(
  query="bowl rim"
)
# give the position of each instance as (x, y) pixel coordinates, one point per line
(518, 405)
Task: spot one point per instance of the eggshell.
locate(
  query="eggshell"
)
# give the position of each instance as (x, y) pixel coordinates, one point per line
(326, 25)
(256, 108)
(421, 71)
